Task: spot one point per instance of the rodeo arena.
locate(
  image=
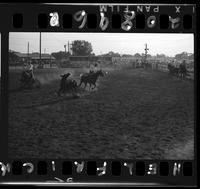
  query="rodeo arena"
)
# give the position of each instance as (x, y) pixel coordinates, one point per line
(101, 107)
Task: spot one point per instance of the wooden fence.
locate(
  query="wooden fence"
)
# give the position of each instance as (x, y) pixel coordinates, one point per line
(164, 68)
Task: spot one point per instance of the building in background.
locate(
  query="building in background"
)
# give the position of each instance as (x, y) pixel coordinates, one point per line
(17, 58)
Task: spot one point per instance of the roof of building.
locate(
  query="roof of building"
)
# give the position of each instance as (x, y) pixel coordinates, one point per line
(35, 56)
(21, 55)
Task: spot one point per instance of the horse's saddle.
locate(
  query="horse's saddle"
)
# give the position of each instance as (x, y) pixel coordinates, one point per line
(88, 74)
(26, 76)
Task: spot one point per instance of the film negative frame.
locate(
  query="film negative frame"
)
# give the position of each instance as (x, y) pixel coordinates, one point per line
(25, 18)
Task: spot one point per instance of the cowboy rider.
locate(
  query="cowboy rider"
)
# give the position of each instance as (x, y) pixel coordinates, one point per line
(28, 69)
(94, 67)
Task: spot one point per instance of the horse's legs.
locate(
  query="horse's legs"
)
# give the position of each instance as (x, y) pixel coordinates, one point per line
(94, 86)
(184, 75)
(75, 89)
(85, 85)
(181, 75)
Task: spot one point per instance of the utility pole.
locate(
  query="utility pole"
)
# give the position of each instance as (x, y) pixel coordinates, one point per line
(50, 61)
(68, 46)
(71, 45)
(146, 51)
(28, 51)
(40, 62)
(65, 48)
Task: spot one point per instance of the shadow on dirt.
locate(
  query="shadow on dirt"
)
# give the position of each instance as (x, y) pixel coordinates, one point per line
(51, 102)
(56, 99)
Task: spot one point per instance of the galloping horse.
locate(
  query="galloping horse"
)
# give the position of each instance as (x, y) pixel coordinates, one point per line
(91, 78)
(28, 82)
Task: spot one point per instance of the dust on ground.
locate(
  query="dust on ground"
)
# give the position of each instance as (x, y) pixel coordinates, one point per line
(133, 114)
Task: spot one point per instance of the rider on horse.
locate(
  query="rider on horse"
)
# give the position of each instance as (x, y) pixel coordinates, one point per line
(28, 70)
(27, 76)
(94, 67)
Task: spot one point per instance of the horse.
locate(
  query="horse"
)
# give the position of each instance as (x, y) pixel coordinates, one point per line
(91, 78)
(28, 82)
(67, 85)
(148, 65)
(138, 65)
(173, 70)
(183, 71)
(145, 65)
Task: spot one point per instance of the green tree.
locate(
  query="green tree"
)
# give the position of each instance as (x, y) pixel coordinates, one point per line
(160, 56)
(127, 55)
(112, 54)
(181, 56)
(81, 48)
(137, 55)
(191, 57)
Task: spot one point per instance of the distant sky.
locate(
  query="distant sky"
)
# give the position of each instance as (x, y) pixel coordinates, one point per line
(123, 43)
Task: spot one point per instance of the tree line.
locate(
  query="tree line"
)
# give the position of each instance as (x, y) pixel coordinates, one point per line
(84, 48)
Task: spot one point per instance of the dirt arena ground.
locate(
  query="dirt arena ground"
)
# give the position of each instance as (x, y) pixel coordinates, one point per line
(134, 113)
